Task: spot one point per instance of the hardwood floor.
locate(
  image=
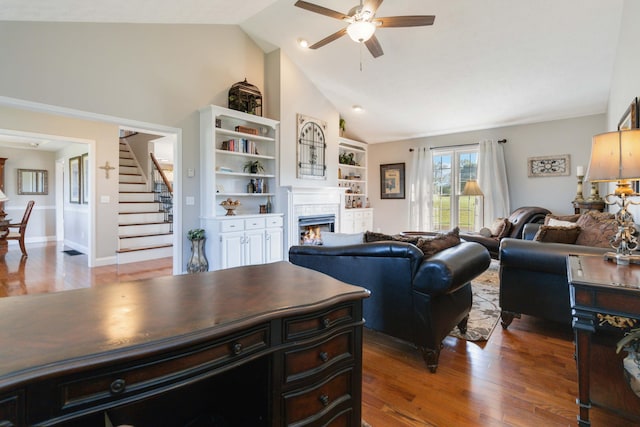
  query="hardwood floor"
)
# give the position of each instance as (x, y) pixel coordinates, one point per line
(48, 269)
(524, 376)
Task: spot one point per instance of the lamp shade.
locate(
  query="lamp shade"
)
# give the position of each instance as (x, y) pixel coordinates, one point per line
(471, 188)
(361, 31)
(3, 197)
(615, 156)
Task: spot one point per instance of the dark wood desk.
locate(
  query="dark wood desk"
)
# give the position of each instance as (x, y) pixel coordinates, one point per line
(266, 345)
(601, 293)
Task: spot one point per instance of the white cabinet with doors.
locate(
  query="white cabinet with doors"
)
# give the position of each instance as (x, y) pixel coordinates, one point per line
(356, 220)
(253, 239)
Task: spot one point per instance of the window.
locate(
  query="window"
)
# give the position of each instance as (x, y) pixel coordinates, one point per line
(452, 168)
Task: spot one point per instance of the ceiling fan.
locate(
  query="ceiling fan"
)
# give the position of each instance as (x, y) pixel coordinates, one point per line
(363, 23)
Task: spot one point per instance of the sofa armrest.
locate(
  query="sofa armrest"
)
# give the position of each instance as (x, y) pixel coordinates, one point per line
(530, 230)
(541, 257)
(451, 268)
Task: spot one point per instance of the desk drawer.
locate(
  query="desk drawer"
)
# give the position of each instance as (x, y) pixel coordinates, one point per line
(307, 361)
(156, 374)
(299, 327)
(318, 400)
(11, 409)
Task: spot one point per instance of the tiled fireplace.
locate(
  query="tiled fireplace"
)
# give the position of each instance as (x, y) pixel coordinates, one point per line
(303, 203)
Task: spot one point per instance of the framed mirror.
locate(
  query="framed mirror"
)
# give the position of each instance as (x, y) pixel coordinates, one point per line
(33, 181)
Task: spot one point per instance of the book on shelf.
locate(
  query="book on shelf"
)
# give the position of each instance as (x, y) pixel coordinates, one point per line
(240, 145)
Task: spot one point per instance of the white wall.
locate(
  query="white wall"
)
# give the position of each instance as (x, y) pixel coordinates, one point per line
(571, 136)
(158, 74)
(298, 95)
(625, 85)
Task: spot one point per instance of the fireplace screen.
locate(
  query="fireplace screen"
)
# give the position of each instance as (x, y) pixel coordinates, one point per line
(311, 228)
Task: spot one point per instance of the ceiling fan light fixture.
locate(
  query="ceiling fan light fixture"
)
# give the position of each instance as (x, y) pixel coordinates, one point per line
(361, 31)
(303, 43)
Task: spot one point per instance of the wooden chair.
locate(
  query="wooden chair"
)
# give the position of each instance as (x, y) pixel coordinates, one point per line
(22, 228)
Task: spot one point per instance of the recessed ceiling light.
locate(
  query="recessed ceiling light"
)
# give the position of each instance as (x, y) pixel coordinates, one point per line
(357, 108)
(303, 43)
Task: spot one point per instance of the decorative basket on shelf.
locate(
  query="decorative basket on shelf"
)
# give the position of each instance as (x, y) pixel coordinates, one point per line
(230, 206)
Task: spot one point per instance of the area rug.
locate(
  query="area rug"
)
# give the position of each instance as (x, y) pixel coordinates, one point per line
(485, 311)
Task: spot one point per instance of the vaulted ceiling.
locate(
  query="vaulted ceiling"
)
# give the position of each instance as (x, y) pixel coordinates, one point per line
(482, 64)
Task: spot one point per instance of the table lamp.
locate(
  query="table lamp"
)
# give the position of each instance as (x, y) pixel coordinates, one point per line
(471, 188)
(615, 157)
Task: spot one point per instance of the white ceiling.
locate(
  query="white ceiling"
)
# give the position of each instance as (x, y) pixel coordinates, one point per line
(482, 64)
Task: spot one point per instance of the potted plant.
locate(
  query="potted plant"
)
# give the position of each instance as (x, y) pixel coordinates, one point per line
(253, 166)
(198, 260)
(631, 343)
(343, 126)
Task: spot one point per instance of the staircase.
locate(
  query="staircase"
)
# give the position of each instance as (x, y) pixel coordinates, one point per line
(143, 231)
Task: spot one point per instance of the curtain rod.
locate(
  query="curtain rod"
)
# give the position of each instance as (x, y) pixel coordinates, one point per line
(500, 141)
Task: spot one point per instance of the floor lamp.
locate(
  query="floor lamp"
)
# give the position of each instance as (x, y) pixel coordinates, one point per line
(471, 188)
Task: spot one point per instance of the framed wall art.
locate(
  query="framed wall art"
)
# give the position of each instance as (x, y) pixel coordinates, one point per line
(312, 148)
(392, 181)
(558, 165)
(74, 179)
(629, 119)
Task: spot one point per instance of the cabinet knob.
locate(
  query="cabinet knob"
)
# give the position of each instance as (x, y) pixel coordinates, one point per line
(237, 348)
(118, 386)
(324, 356)
(324, 399)
(326, 322)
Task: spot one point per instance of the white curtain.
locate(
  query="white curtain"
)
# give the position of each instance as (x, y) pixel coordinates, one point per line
(492, 179)
(420, 189)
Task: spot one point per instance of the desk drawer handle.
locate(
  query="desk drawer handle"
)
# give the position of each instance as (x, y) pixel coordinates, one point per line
(324, 356)
(118, 386)
(237, 348)
(326, 322)
(324, 399)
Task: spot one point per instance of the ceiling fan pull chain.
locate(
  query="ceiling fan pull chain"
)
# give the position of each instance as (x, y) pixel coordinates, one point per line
(360, 56)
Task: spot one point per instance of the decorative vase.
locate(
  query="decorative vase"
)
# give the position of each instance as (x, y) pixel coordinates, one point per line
(198, 261)
(632, 371)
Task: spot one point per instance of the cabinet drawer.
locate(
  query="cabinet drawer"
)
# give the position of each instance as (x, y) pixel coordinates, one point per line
(357, 216)
(254, 223)
(320, 400)
(303, 326)
(231, 225)
(11, 409)
(155, 374)
(310, 360)
(274, 221)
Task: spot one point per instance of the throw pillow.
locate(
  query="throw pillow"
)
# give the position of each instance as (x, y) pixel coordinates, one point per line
(371, 236)
(432, 245)
(500, 228)
(485, 232)
(341, 239)
(555, 234)
(559, 223)
(597, 229)
(569, 218)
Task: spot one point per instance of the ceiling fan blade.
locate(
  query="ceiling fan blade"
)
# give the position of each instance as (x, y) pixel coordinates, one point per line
(329, 39)
(405, 21)
(321, 10)
(372, 6)
(374, 46)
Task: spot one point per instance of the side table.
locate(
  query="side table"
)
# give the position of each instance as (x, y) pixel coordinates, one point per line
(585, 206)
(601, 292)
